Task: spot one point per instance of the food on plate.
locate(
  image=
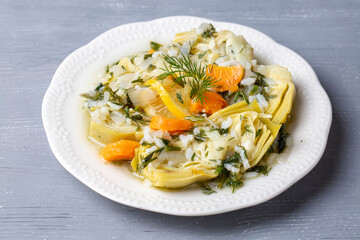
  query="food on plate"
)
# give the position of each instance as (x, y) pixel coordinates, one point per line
(196, 110)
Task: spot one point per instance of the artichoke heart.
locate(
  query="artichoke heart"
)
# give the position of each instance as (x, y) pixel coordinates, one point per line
(254, 131)
(105, 134)
(282, 91)
(185, 36)
(164, 173)
(250, 129)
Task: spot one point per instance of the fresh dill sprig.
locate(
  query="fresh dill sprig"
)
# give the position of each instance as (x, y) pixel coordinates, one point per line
(183, 70)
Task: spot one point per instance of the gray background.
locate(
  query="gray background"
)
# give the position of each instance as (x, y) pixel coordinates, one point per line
(40, 199)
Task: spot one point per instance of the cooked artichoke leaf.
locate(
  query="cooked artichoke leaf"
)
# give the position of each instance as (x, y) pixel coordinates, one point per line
(106, 134)
(281, 90)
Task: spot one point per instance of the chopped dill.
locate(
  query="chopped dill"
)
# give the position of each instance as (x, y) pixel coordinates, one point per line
(93, 95)
(221, 131)
(253, 90)
(138, 119)
(263, 170)
(237, 95)
(151, 67)
(244, 97)
(154, 45)
(146, 56)
(172, 148)
(206, 189)
(208, 33)
(258, 132)
(201, 136)
(203, 54)
(178, 95)
(138, 80)
(247, 128)
(149, 158)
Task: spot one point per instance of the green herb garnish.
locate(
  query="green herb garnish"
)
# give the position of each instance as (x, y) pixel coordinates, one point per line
(201, 136)
(244, 97)
(146, 56)
(183, 70)
(154, 45)
(208, 33)
(237, 95)
(258, 132)
(221, 131)
(138, 80)
(135, 118)
(220, 149)
(172, 148)
(207, 190)
(151, 67)
(147, 144)
(247, 128)
(253, 90)
(263, 170)
(93, 95)
(203, 54)
(178, 95)
(149, 158)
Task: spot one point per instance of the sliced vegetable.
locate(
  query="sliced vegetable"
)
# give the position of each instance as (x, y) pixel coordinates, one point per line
(227, 78)
(169, 124)
(213, 102)
(120, 150)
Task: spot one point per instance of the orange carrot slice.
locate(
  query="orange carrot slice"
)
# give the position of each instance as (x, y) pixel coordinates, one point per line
(212, 103)
(169, 124)
(227, 77)
(120, 150)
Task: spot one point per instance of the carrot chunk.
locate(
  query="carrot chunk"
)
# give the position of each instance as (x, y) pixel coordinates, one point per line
(120, 150)
(169, 124)
(212, 103)
(226, 78)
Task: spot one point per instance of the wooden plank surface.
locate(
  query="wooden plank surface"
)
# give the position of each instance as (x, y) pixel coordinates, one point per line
(39, 199)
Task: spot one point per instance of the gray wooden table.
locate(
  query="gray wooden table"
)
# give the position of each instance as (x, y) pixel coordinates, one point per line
(39, 199)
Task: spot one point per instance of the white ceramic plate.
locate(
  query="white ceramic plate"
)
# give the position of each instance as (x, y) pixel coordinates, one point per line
(66, 123)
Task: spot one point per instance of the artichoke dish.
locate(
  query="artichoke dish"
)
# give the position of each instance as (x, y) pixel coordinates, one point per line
(196, 110)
